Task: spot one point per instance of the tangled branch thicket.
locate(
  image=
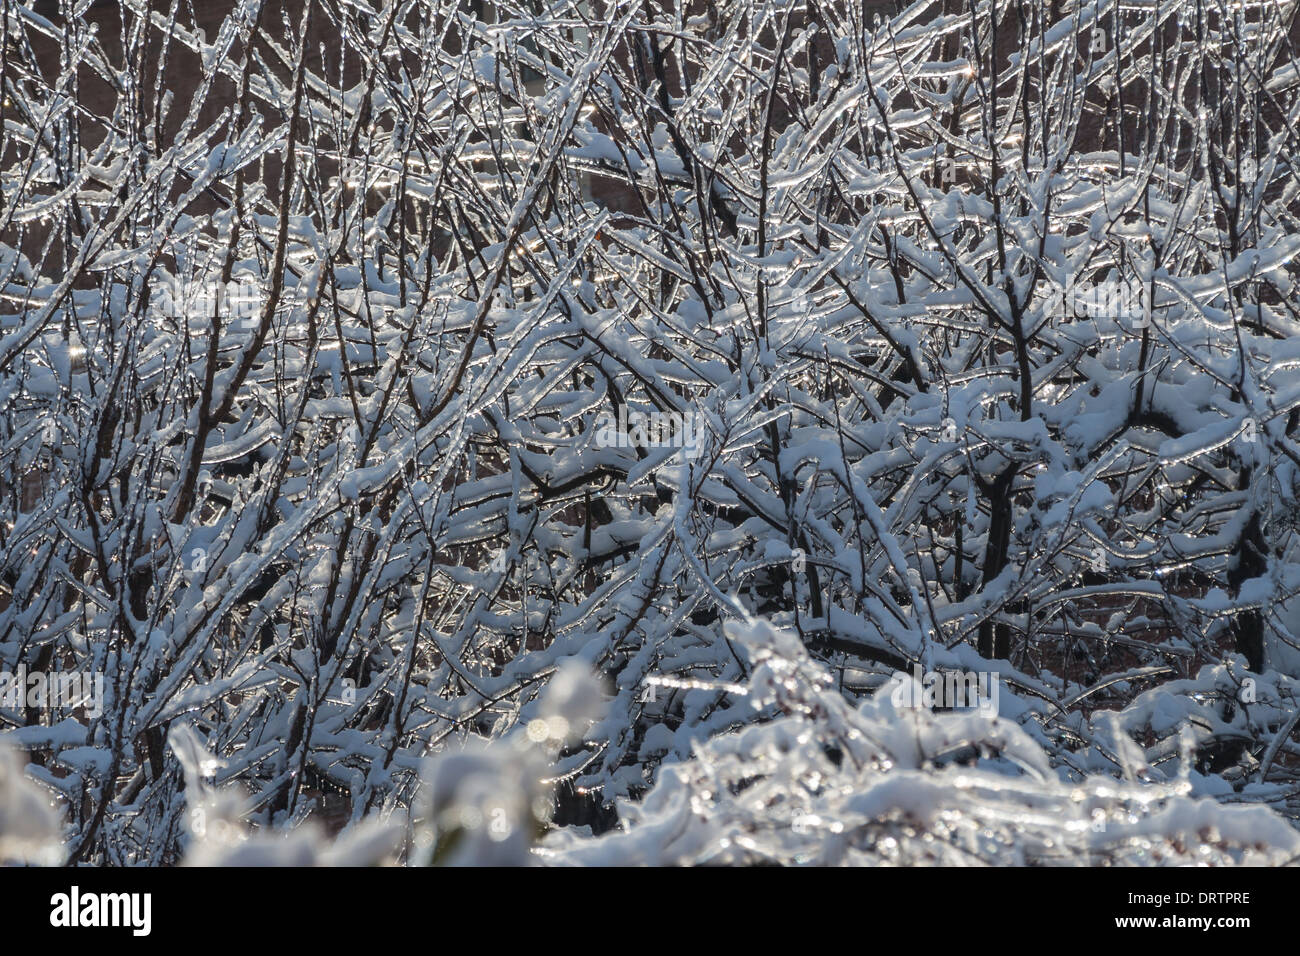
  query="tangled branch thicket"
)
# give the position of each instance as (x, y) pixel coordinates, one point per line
(982, 315)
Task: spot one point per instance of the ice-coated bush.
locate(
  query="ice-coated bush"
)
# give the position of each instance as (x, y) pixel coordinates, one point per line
(367, 367)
